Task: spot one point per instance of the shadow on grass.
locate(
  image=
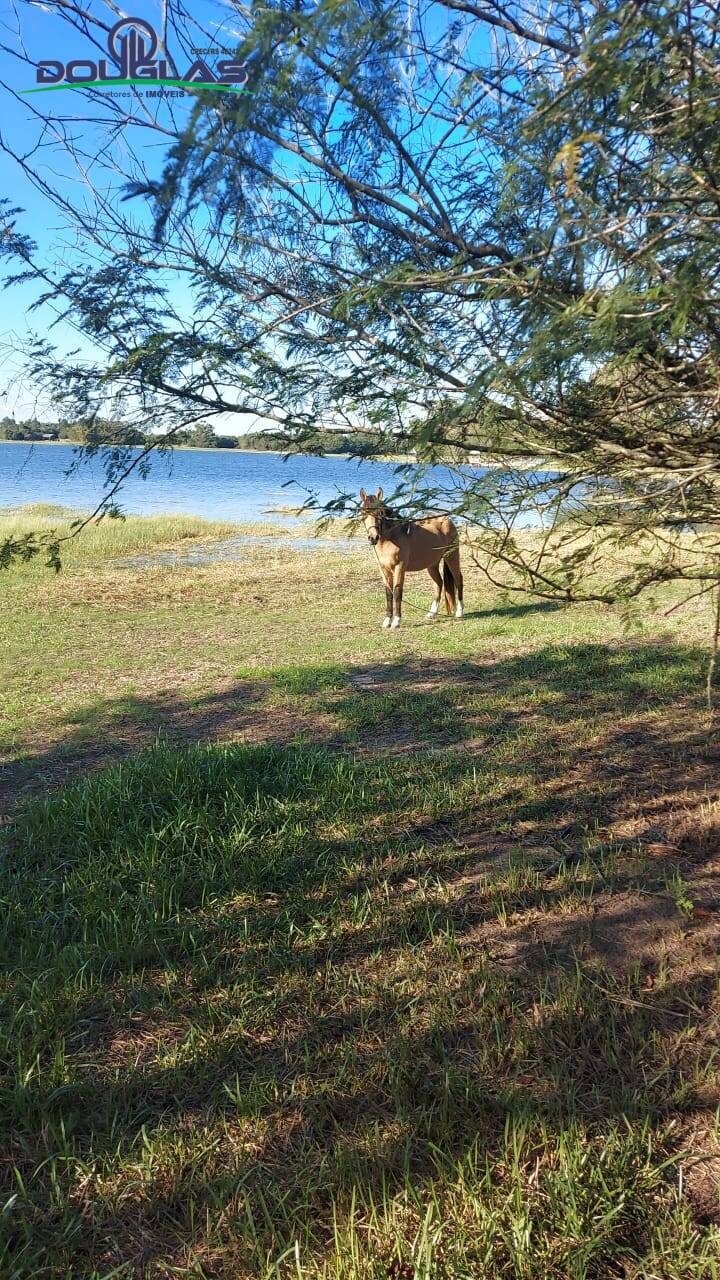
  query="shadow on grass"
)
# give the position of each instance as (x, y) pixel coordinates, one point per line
(392, 705)
(247, 983)
(515, 610)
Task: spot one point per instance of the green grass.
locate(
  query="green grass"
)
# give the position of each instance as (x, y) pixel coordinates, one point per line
(231, 1046)
(416, 989)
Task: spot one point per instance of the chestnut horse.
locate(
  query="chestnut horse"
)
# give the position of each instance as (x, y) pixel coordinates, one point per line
(407, 546)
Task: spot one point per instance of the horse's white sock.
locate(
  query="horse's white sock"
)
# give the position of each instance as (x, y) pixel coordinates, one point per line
(395, 623)
(433, 609)
(459, 610)
(387, 620)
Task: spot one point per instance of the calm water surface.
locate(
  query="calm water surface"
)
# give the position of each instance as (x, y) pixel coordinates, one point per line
(220, 484)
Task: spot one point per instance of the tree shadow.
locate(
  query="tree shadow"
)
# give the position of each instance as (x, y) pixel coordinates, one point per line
(403, 704)
(337, 969)
(108, 730)
(515, 610)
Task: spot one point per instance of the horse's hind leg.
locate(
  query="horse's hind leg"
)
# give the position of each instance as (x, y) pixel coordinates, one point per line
(436, 576)
(452, 560)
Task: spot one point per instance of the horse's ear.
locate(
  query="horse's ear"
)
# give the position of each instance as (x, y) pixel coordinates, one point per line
(379, 495)
(363, 494)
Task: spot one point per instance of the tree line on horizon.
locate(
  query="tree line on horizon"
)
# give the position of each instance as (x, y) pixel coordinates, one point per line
(113, 434)
(103, 431)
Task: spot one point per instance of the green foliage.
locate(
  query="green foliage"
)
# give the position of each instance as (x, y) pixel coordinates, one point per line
(101, 432)
(203, 436)
(24, 547)
(28, 430)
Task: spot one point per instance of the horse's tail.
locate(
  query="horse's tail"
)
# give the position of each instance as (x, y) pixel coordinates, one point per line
(449, 585)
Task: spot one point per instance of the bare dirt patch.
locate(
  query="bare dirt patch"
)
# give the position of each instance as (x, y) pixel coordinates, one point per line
(699, 1140)
(614, 931)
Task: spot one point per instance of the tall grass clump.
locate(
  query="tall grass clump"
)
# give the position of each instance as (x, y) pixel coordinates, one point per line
(107, 538)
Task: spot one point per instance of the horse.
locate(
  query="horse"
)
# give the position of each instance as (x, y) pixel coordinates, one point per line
(408, 546)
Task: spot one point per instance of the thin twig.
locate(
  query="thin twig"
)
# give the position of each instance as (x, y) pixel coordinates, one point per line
(714, 651)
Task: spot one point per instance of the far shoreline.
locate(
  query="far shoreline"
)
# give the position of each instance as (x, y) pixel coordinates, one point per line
(197, 448)
(397, 459)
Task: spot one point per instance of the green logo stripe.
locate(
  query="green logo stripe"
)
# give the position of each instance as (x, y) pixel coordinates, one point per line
(182, 84)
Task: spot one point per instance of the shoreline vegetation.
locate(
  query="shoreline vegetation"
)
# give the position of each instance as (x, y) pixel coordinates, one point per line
(106, 537)
(202, 436)
(323, 443)
(448, 895)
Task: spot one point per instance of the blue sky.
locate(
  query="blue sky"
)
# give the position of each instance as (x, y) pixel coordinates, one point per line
(24, 119)
(41, 34)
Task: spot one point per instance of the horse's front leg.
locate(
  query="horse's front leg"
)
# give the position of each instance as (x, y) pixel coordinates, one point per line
(397, 592)
(387, 620)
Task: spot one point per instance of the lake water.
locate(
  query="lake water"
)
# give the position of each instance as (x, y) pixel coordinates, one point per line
(220, 484)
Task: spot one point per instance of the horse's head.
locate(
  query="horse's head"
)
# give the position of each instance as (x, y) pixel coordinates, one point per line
(373, 514)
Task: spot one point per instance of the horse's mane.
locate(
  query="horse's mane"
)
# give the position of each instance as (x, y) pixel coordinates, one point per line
(395, 519)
